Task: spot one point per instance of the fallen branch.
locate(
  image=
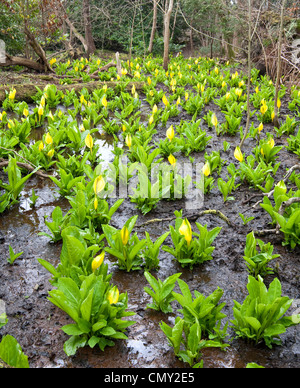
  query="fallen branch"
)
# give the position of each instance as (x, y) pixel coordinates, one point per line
(261, 233)
(285, 179)
(192, 217)
(26, 166)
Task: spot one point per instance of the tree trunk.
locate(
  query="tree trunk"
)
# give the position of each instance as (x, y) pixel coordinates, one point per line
(38, 49)
(249, 73)
(167, 18)
(18, 61)
(279, 65)
(154, 24)
(91, 48)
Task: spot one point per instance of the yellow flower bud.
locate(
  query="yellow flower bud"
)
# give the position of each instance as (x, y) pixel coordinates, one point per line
(170, 133)
(51, 153)
(96, 203)
(165, 101)
(104, 102)
(172, 160)
(124, 235)
(12, 94)
(40, 111)
(99, 184)
(238, 154)
(48, 139)
(97, 262)
(89, 141)
(128, 141)
(113, 295)
(278, 103)
(186, 231)
(206, 169)
(214, 120)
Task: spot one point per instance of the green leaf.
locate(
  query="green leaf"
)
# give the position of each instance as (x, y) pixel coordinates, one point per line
(86, 306)
(73, 344)
(11, 353)
(253, 322)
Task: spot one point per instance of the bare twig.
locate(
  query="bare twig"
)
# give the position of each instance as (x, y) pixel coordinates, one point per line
(193, 217)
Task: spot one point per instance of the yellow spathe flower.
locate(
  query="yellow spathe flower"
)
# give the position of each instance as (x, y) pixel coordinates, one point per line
(149, 81)
(278, 103)
(261, 127)
(25, 112)
(238, 92)
(214, 120)
(113, 295)
(104, 102)
(165, 100)
(273, 116)
(256, 90)
(133, 90)
(186, 231)
(186, 96)
(170, 133)
(271, 142)
(51, 153)
(97, 262)
(238, 154)
(206, 169)
(52, 61)
(96, 203)
(82, 99)
(154, 110)
(89, 141)
(151, 119)
(172, 160)
(128, 141)
(41, 146)
(48, 139)
(124, 235)
(40, 111)
(227, 96)
(12, 94)
(99, 184)
(98, 62)
(263, 108)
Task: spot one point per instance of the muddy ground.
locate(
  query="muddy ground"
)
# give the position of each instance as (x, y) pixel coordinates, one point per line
(36, 323)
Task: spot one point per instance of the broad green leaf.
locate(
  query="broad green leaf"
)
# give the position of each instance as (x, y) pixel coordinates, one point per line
(11, 353)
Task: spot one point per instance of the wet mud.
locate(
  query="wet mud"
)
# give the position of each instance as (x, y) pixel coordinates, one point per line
(36, 323)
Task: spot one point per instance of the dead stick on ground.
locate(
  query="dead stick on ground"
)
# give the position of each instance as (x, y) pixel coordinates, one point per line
(285, 179)
(26, 166)
(191, 217)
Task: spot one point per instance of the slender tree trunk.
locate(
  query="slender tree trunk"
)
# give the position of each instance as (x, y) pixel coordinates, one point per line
(167, 18)
(249, 72)
(91, 48)
(279, 65)
(131, 34)
(154, 24)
